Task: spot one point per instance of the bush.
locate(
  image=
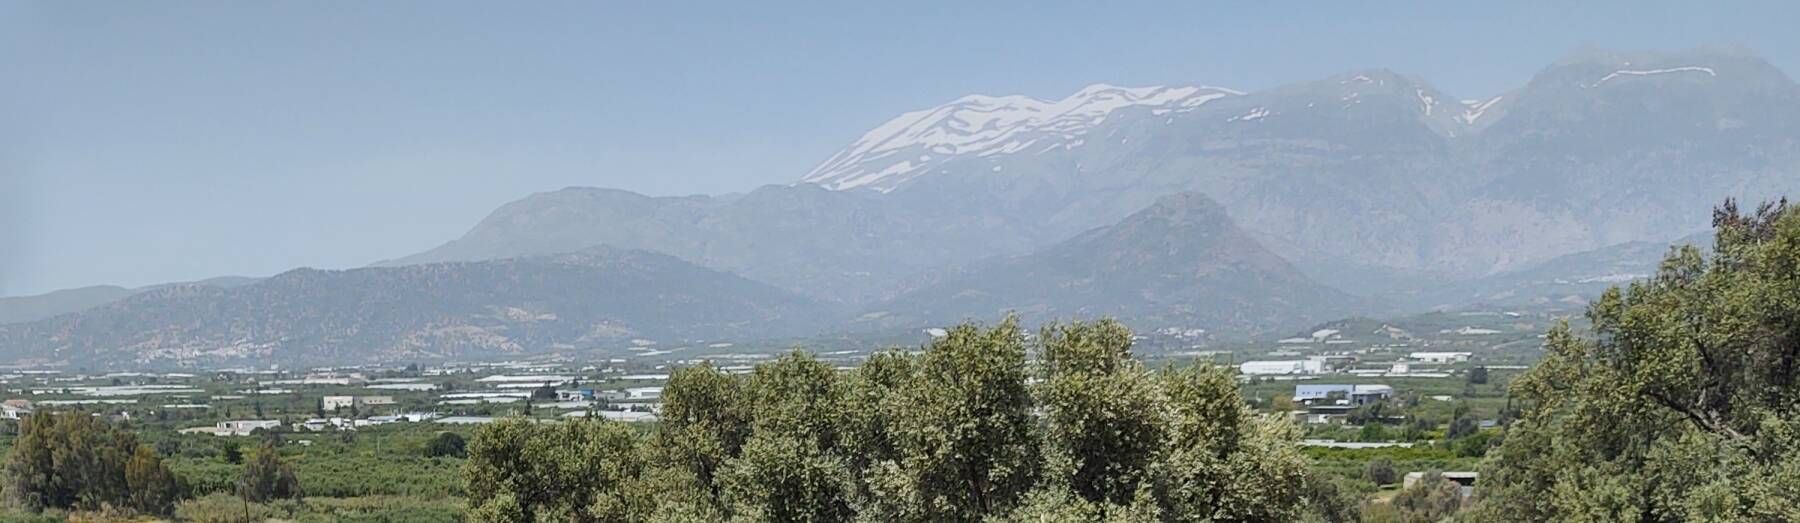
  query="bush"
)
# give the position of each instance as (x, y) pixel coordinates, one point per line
(1433, 498)
(226, 508)
(1381, 471)
(1372, 432)
(1473, 446)
(446, 445)
(266, 478)
(1478, 376)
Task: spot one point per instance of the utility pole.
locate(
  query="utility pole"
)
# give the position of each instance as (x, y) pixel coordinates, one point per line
(244, 494)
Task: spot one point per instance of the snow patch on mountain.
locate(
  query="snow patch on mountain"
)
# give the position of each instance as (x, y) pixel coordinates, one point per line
(1647, 72)
(1473, 109)
(1426, 101)
(1254, 114)
(984, 126)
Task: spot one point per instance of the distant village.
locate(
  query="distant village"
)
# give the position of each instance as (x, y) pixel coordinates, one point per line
(240, 402)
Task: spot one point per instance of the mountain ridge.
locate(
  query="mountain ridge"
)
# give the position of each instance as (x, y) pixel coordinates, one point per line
(578, 300)
(1180, 262)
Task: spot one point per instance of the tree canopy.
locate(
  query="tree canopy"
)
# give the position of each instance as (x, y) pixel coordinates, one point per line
(74, 460)
(1679, 406)
(969, 428)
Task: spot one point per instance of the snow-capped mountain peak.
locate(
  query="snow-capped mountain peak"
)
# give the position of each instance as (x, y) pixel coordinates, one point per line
(909, 145)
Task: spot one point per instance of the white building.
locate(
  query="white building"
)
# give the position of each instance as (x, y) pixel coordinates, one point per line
(15, 409)
(235, 428)
(332, 403)
(643, 393)
(318, 424)
(1312, 365)
(1346, 394)
(1441, 357)
(1265, 368)
(416, 417)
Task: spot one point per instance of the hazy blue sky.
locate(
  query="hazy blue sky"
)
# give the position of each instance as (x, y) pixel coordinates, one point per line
(143, 142)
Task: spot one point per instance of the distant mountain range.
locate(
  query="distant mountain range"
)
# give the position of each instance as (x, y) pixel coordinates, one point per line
(578, 300)
(1363, 173)
(1371, 182)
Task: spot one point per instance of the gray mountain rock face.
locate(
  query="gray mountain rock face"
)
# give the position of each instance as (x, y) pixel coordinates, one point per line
(1364, 179)
(1371, 182)
(1377, 169)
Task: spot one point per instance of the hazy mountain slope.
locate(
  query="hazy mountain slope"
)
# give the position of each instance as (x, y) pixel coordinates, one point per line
(834, 246)
(1368, 180)
(1179, 263)
(472, 309)
(1379, 170)
(1291, 164)
(19, 309)
(1612, 147)
(1569, 280)
(576, 218)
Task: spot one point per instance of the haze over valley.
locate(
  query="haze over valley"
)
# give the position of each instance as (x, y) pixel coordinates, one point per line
(1244, 215)
(908, 262)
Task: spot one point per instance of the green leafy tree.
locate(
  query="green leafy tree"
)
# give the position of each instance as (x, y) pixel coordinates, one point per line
(1221, 462)
(153, 488)
(1381, 471)
(965, 437)
(1370, 414)
(577, 471)
(873, 395)
(266, 477)
(784, 476)
(76, 461)
(1474, 445)
(1464, 426)
(704, 423)
(790, 469)
(1099, 410)
(1478, 376)
(956, 432)
(545, 392)
(231, 452)
(1058, 504)
(1372, 432)
(446, 444)
(1332, 502)
(1680, 405)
